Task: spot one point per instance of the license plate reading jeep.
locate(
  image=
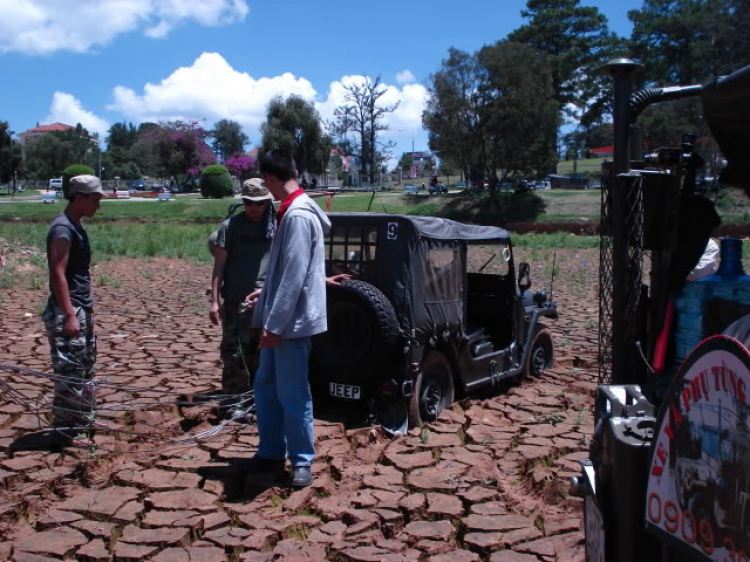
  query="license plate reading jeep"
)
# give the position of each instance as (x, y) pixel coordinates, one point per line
(344, 391)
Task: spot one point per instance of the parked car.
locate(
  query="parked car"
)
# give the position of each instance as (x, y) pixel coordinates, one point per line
(524, 186)
(138, 185)
(460, 186)
(438, 188)
(434, 311)
(55, 183)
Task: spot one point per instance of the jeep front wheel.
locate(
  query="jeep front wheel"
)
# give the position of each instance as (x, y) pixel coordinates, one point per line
(433, 389)
(541, 353)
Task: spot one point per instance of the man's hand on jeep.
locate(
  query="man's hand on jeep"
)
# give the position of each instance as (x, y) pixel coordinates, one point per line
(337, 279)
(269, 340)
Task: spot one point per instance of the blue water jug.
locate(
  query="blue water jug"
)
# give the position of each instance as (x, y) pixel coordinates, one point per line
(729, 283)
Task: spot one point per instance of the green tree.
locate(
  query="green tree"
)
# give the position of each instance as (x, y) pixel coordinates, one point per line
(454, 113)
(683, 42)
(405, 161)
(120, 163)
(583, 139)
(10, 156)
(229, 139)
(522, 115)
(364, 113)
(216, 182)
(293, 124)
(121, 136)
(690, 41)
(494, 112)
(172, 149)
(118, 160)
(578, 40)
(47, 156)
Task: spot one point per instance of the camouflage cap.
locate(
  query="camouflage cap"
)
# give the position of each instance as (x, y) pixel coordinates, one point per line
(84, 185)
(255, 190)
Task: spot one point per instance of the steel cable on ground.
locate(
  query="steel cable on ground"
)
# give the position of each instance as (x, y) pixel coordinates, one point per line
(137, 404)
(244, 410)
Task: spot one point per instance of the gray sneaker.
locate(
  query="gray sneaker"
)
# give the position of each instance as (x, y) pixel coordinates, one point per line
(301, 477)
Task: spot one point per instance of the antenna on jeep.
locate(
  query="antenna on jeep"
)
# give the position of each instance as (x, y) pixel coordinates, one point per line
(371, 201)
(552, 280)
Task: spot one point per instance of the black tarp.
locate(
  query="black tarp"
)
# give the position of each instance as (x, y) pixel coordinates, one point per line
(726, 106)
(421, 266)
(444, 229)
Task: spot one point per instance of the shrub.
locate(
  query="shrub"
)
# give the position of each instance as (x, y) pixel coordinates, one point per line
(216, 182)
(72, 171)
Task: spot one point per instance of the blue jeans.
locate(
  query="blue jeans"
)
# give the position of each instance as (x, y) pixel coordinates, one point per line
(283, 403)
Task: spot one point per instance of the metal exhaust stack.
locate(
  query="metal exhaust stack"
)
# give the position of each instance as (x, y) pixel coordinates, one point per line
(620, 283)
(622, 70)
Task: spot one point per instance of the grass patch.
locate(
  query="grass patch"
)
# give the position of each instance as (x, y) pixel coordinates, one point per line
(582, 165)
(554, 240)
(9, 277)
(111, 209)
(188, 242)
(36, 280)
(126, 239)
(27, 193)
(733, 206)
(473, 207)
(104, 280)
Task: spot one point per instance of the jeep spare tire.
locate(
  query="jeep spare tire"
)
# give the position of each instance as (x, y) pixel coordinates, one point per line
(362, 336)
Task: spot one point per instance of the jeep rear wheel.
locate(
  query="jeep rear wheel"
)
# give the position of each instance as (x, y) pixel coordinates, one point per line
(541, 353)
(433, 389)
(362, 335)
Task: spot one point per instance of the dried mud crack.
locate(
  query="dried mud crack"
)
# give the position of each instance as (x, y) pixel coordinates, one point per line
(487, 481)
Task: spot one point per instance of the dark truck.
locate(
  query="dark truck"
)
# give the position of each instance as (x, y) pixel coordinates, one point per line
(435, 310)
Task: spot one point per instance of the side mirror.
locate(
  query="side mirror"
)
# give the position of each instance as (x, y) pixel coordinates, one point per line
(524, 277)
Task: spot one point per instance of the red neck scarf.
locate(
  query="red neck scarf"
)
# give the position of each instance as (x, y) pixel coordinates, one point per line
(284, 207)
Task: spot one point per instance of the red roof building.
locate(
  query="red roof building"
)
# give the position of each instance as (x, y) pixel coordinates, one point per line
(41, 130)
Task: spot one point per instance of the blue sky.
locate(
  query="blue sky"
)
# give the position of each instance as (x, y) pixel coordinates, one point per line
(102, 61)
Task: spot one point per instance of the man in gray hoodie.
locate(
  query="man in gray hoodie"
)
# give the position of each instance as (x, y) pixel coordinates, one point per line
(290, 310)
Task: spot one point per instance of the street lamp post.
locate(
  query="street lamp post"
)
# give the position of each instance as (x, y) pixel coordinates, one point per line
(412, 146)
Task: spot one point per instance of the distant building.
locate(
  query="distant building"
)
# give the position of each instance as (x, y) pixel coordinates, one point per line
(41, 130)
(422, 163)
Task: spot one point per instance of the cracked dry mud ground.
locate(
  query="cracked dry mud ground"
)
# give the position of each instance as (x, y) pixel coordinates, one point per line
(486, 482)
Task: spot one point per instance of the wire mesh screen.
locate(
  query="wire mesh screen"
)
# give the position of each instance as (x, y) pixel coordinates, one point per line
(620, 277)
(605, 283)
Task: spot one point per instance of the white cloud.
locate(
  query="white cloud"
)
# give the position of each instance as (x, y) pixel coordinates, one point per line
(405, 77)
(38, 27)
(210, 88)
(69, 110)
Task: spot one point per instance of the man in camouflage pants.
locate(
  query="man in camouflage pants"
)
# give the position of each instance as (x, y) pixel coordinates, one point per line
(68, 317)
(240, 253)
